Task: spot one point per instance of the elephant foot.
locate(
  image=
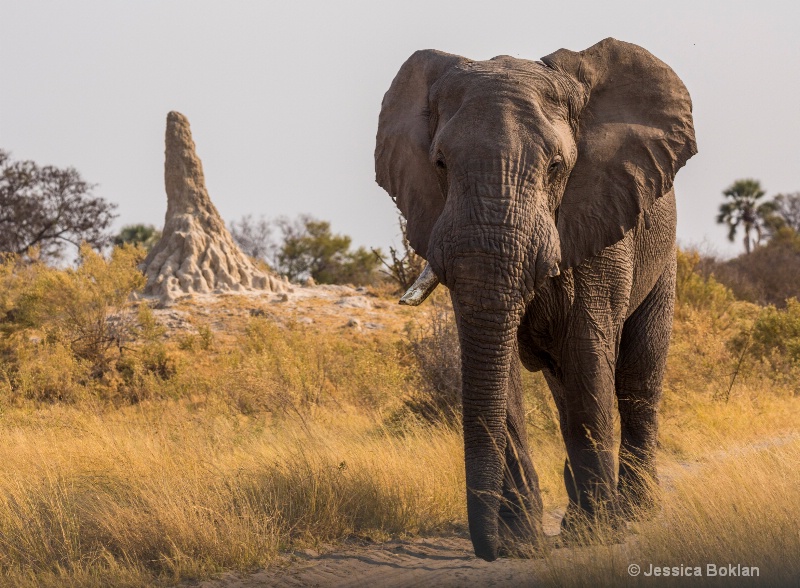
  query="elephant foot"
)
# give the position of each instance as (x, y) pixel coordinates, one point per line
(639, 498)
(486, 548)
(521, 537)
(579, 527)
(637, 510)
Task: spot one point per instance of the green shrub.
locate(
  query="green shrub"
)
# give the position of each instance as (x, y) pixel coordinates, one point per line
(310, 249)
(72, 332)
(694, 289)
(85, 308)
(775, 336)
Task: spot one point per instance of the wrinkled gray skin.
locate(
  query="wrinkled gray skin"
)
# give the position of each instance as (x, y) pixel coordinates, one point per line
(541, 195)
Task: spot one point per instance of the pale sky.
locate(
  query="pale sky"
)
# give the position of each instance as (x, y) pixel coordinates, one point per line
(283, 98)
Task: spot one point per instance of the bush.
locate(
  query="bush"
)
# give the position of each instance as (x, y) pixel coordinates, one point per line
(774, 337)
(45, 372)
(142, 367)
(145, 236)
(694, 289)
(768, 275)
(310, 249)
(68, 333)
(85, 308)
(771, 273)
(435, 348)
(720, 344)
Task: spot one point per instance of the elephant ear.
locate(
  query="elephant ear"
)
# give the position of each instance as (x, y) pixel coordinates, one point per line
(402, 158)
(633, 135)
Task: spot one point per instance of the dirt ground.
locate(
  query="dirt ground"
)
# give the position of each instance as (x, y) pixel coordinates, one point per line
(441, 562)
(322, 308)
(446, 562)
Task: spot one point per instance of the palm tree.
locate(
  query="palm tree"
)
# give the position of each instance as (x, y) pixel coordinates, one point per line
(744, 210)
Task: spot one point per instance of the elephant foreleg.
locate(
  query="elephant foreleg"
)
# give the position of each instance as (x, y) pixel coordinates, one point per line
(585, 399)
(521, 506)
(640, 371)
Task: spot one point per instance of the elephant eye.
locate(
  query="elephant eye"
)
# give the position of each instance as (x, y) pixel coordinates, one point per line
(554, 165)
(440, 162)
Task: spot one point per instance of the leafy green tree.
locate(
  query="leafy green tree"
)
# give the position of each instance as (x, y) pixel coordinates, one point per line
(310, 249)
(359, 267)
(743, 210)
(49, 208)
(144, 235)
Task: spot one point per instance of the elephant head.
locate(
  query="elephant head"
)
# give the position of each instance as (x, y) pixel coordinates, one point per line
(509, 172)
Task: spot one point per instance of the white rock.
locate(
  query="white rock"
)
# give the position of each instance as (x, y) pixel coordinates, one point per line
(354, 302)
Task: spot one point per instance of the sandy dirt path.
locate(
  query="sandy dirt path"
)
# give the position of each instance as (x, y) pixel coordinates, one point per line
(447, 562)
(440, 562)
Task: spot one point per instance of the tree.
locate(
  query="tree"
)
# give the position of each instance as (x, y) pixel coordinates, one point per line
(143, 235)
(253, 236)
(783, 211)
(310, 249)
(49, 208)
(743, 210)
(770, 275)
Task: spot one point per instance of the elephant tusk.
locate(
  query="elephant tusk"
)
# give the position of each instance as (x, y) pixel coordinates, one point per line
(422, 288)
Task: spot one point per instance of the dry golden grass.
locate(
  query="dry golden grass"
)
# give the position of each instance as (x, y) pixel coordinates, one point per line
(254, 436)
(735, 507)
(171, 493)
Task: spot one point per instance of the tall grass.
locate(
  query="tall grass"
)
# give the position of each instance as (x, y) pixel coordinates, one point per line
(169, 493)
(186, 456)
(738, 509)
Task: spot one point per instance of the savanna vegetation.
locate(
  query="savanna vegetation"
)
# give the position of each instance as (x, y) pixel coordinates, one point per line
(769, 270)
(307, 249)
(134, 455)
(49, 209)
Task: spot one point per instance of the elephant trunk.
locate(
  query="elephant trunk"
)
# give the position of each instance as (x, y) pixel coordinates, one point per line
(487, 335)
(492, 269)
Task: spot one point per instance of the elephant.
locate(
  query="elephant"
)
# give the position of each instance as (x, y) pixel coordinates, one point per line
(540, 193)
